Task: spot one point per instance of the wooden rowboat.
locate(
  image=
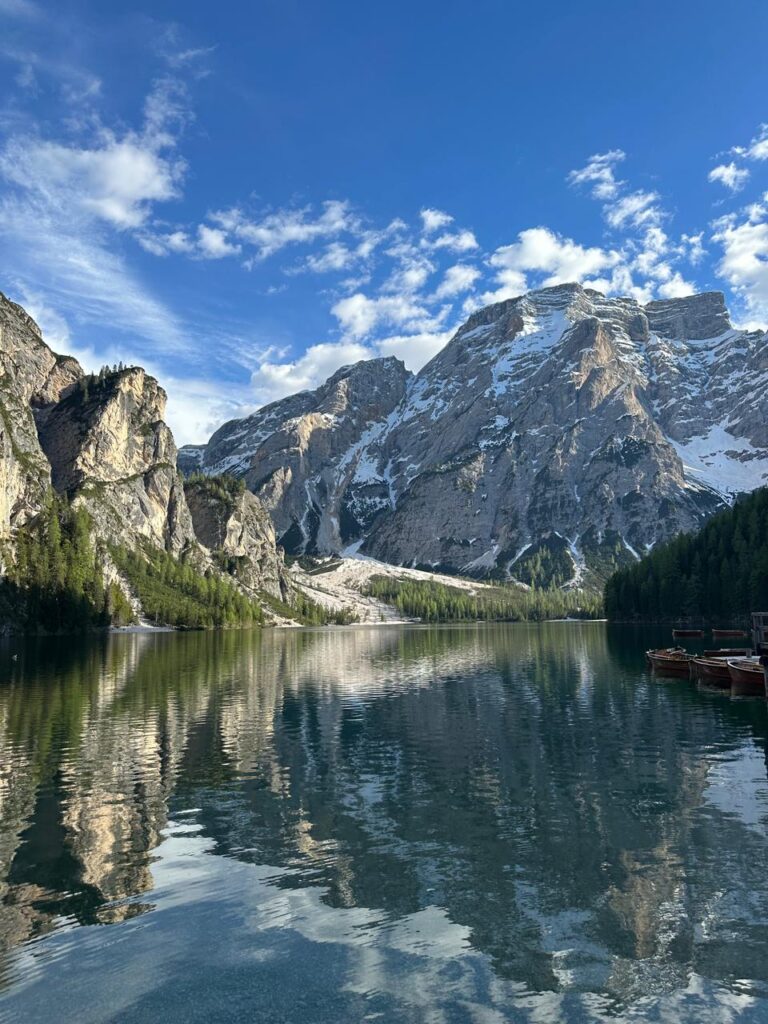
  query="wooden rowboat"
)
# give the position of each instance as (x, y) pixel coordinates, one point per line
(717, 633)
(728, 652)
(670, 661)
(747, 677)
(712, 670)
(679, 634)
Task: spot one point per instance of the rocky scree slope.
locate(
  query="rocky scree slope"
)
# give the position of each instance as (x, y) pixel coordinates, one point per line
(102, 441)
(557, 435)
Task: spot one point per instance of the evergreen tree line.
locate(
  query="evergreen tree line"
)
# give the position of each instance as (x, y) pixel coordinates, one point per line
(437, 602)
(224, 486)
(94, 383)
(55, 583)
(172, 592)
(719, 574)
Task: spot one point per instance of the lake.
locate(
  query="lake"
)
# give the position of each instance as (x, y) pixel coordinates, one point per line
(405, 824)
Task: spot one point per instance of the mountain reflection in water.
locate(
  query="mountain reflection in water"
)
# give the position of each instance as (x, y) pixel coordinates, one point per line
(402, 824)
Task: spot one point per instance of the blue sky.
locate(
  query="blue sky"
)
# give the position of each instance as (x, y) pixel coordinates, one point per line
(243, 197)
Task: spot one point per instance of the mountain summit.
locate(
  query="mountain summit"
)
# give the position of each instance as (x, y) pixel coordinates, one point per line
(556, 435)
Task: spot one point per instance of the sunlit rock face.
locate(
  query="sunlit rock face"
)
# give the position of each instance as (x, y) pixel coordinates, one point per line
(109, 447)
(31, 375)
(557, 435)
(103, 442)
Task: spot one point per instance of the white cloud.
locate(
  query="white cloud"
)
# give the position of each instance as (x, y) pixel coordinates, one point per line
(334, 257)
(757, 148)
(274, 380)
(457, 279)
(676, 287)
(212, 243)
(282, 228)
(63, 203)
(411, 273)
(459, 241)
(693, 245)
(359, 315)
(433, 220)
(542, 251)
(730, 175)
(636, 209)
(414, 349)
(599, 172)
(117, 181)
(744, 263)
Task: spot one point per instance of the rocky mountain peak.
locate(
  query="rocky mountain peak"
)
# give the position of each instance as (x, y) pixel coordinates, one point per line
(557, 434)
(692, 318)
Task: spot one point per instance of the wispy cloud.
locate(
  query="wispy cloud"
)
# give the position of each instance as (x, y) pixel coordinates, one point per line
(599, 173)
(20, 9)
(730, 175)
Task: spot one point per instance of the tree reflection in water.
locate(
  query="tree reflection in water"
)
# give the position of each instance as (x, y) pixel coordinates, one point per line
(530, 788)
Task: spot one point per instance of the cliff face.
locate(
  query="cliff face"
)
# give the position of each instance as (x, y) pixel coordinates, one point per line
(556, 435)
(103, 442)
(237, 526)
(110, 450)
(31, 376)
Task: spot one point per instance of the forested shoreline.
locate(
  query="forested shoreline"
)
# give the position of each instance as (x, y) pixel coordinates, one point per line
(437, 602)
(718, 575)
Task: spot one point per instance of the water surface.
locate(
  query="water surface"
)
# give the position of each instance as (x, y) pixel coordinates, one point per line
(481, 824)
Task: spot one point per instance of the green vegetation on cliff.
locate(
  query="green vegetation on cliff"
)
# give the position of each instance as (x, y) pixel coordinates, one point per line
(224, 487)
(716, 575)
(55, 582)
(436, 602)
(172, 592)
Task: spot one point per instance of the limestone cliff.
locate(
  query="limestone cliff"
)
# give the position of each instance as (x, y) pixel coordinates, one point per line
(102, 441)
(110, 450)
(31, 376)
(232, 522)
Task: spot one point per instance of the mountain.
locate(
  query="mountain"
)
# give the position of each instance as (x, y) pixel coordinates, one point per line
(298, 454)
(99, 443)
(556, 436)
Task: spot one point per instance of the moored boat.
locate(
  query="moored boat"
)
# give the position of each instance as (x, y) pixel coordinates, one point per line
(717, 633)
(728, 652)
(711, 670)
(679, 634)
(747, 677)
(670, 661)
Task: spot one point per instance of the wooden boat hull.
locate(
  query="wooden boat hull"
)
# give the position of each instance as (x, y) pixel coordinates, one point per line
(712, 670)
(669, 664)
(747, 678)
(678, 634)
(722, 633)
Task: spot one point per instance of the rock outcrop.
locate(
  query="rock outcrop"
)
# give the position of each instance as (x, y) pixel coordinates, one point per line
(557, 435)
(233, 523)
(102, 441)
(31, 376)
(110, 450)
